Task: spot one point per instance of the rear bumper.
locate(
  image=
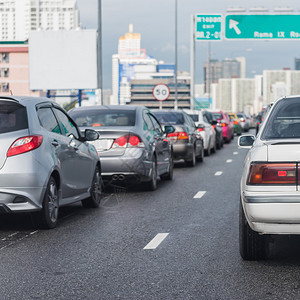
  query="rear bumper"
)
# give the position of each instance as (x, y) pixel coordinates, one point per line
(183, 151)
(273, 213)
(135, 165)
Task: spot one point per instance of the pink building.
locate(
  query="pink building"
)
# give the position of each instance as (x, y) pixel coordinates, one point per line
(14, 70)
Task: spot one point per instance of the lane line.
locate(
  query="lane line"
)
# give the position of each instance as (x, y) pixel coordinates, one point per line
(199, 195)
(219, 173)
(155, 242)
(235, 153)
(229, 161)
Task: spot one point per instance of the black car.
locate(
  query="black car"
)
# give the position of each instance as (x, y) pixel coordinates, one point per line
(219, 131)
(187, 141)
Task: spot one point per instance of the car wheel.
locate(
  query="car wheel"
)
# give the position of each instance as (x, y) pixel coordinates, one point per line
(96, 190)
(214, 149)
(192, 162)
(152, 184)
(253, 246)
(208, 151)
(47, 218)
(169, 175)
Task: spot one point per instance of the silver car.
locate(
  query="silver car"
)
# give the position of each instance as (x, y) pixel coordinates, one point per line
(44, 160)
(270, 184)
(132, 146)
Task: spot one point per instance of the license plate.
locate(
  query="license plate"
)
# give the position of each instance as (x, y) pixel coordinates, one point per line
(103, 144)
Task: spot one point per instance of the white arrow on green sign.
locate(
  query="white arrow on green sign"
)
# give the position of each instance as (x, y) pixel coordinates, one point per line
(264, 26)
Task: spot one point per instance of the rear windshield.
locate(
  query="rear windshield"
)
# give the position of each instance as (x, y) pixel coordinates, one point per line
(169, 117)
(195, 117)
(13, 117)
(98, 118)
(218, 115)
(284, 121)
(240, 116)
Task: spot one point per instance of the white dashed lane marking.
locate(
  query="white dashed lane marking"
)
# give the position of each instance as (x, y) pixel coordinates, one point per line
(219, 173)
(235, 153)
(229, 161)
(199, 195)
(156, 241)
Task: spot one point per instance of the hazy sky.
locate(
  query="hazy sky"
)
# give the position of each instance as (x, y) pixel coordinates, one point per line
(155, 20)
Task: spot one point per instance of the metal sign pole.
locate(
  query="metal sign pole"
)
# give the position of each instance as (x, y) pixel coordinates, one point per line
(192, 64)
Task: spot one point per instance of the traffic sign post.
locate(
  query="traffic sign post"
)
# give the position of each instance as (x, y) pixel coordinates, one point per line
(262, 26)
(161, 92)
(208, 27)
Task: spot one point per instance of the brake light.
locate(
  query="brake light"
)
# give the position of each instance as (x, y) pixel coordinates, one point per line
(200, 129)
(178, 135)
(236, 123)
(223, 124)
(128, 141)
(274, 173)
(25, 144)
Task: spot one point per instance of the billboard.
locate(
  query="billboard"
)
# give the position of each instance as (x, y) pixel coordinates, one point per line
(62, 60)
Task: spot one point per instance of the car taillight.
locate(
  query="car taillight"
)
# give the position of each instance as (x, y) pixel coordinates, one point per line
(223, 124)
(24, 144)
(200, 129)
(236, 123)
(273, 173)
(214, 126)
(128, 141)
(178, 135)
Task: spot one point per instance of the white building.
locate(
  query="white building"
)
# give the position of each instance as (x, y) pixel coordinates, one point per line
(130, 61)
(18, 17)
(278, 83)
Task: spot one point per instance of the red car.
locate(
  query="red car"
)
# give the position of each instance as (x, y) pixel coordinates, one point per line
(225, 122)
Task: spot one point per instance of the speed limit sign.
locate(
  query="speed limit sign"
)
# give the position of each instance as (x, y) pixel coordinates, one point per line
(161, 92)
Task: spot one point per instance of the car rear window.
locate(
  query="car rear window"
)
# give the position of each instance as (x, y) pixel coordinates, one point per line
(195, 117)
(240, 116)
(13, 117)
(98, 118)
(284, 121)
(218, 115)
(169, 117)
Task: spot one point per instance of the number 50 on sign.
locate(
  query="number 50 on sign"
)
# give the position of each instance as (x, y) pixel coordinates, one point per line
(161, 92)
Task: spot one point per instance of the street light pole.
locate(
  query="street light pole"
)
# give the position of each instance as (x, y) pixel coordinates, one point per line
(99, 51)
(176, 96)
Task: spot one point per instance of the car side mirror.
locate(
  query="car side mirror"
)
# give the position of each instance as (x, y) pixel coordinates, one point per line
(246, 141)
(91, 135)
(169, 129)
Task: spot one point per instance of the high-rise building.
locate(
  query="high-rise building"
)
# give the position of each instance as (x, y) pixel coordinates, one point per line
(18, 17)
(228, 68)
(297, 63)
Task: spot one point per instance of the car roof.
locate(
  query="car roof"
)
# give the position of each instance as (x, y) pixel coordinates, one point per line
(110, 107)
(26, 100)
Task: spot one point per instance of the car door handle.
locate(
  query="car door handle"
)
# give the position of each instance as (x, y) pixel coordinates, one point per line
(55, 143)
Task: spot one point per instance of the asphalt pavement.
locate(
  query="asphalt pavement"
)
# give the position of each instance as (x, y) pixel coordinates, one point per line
(178, 242)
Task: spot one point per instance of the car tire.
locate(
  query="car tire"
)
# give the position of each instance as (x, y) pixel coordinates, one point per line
(253, 246)
(214, 149)
(169, 174)
(192, 162)
(96, 191)
(47, 218)
(152, 184)
(208, 151)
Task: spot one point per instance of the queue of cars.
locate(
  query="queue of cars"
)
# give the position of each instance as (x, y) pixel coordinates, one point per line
(51, 158)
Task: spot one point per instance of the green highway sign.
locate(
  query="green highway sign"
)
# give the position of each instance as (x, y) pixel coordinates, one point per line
(262, 26)
(208, 27)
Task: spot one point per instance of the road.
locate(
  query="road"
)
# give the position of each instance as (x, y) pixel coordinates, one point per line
(192, 222)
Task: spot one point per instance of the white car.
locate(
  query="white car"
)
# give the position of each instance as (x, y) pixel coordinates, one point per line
(206, 130)
(270, 191)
